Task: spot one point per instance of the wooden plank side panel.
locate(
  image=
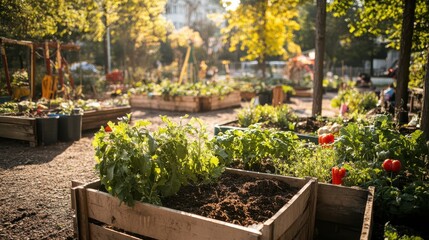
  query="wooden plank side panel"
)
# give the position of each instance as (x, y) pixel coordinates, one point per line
(299, 228)
(341, 204)
(215, 102)
(19, 131)
(94, 120)
(162, 223)
(292, 211)
(102, 233)
(368, 216)
(17, 120)
(180, 103)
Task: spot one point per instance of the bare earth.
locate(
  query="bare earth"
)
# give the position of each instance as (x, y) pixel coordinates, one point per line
(35, 182)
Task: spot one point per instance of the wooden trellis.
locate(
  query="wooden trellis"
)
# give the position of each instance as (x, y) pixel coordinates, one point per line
(33, 47)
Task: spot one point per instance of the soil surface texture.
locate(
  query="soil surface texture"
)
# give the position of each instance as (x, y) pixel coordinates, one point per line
(235, 198)
(35, 182)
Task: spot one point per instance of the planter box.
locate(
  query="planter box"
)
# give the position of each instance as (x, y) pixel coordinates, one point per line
(19, 128)
(181, 103)
(96, 118)
(216, 102)
(223, 127)
(101, 216)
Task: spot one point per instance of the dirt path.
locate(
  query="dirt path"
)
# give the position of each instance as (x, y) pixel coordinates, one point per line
(35, 182)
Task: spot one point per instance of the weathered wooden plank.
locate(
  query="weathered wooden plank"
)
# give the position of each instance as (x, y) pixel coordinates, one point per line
(299, 228)
(341, 204)
(103, 233)
(96, 119)
(368, 216)
(82, 218)
(219, 102)
(162, 223)
(179, 103)
(10, 127)
(286, 217)
(17, 120)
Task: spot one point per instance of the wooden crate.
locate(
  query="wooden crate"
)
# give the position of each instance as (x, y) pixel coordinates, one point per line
(96, 118)
(101, 216)
(344, 212)
(19, 128)
(180, 103)
(220, 102)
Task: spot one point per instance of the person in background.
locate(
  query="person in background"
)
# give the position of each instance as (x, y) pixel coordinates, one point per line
(364, 81)
(389, 97)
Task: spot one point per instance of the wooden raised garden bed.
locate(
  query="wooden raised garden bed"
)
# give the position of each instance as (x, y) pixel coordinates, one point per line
(186, 103)
(340, 213)
(223, 127)
(180, 103)
(95, 118)
(220, 102)
(19, 128)
(101, 216)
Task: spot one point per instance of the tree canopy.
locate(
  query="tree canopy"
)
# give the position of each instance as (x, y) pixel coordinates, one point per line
(262, 28)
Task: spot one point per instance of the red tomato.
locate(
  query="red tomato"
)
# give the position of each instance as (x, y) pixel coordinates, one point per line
(396, 166)
(326, 138)
(387, 165)
(108, 128)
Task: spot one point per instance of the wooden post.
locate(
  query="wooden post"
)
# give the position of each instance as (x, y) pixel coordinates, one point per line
(47, 59)
(81, 212)
(320, 53)
(32, 72)
(6, 67)
(185, 63)
(59, 67)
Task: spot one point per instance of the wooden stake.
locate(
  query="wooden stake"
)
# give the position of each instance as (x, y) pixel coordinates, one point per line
(6, 67)
(185, 64)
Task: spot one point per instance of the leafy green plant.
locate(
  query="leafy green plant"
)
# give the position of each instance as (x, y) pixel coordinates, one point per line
(135, 163)
(280, 116)
(20, 78)
(356, 101)
(255, 148)
(363, 148)
(391, 233)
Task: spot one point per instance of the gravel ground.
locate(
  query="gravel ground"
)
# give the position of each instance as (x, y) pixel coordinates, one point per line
(35, 182)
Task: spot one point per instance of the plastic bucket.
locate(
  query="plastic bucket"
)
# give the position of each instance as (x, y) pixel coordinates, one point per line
(69, 128)
(47, 130)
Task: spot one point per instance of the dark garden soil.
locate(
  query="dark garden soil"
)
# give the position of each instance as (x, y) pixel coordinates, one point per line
(235, 198)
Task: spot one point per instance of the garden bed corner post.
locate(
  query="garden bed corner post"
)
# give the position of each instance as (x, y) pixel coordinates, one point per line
(81, 211)
(313, 206)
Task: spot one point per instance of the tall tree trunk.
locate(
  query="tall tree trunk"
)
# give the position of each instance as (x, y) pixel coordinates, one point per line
(424, 123)
(320, 52)
(403, 76)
